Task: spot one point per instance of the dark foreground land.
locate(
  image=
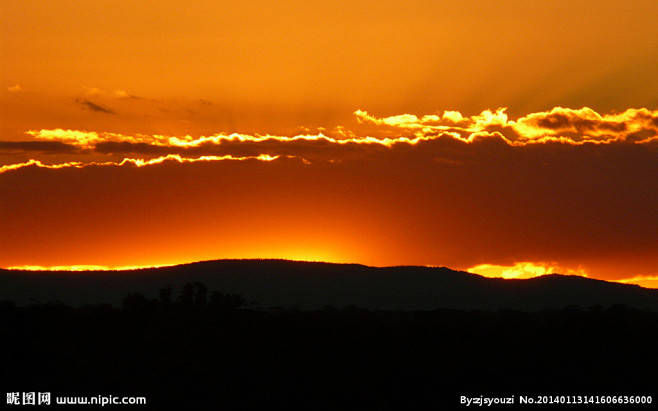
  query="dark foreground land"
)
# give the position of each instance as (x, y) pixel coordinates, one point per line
(192, 349)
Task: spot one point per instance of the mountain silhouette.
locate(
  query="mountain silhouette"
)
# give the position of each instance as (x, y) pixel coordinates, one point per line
(312, 285)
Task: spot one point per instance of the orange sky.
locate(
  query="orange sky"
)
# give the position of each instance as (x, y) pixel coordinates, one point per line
(402, 155)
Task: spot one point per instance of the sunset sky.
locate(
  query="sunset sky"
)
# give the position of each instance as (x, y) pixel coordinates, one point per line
(509, 138)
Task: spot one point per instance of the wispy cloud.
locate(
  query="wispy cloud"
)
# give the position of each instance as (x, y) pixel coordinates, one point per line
(94, 107)
(138, 162)
(93, 91)
(38, 146)
(117, 94)
(123, 94)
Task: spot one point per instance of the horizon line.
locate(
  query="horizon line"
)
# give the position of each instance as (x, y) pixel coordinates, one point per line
(106, 269)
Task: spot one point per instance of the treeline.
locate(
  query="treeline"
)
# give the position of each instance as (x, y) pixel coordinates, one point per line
(192, 295)
(195, 349)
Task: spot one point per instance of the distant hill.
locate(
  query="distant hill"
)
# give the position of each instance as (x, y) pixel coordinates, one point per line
(311, 285)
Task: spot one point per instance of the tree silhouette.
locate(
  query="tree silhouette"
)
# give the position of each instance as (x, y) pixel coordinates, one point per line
(201, 294)
(186, 295)
(165, 295)
(135, 302)
(226, 301)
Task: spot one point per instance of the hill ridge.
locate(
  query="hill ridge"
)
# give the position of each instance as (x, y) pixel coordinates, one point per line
(288, 283)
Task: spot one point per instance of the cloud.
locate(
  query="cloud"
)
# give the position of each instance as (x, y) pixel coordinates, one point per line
(311, 146)
(437, 134)
(94, 107)
(587, 125)
(525, 270)
(521, 270)
(79, 138)
(93, 91)
(138, 162)
(37, 146)
(15, 89)
(117, 94)
(559, 124)
(122, 94)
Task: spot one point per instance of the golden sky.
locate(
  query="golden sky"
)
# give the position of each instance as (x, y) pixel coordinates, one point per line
(512, 138)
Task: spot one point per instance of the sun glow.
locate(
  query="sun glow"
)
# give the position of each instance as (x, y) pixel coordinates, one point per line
(525, 270)
(649, 281)
(292, 253)
(84, 267)
(522, 270)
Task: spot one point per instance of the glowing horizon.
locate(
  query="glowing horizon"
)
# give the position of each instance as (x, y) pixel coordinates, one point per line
(426, 133)
(445, 142)
(524, 270)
